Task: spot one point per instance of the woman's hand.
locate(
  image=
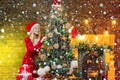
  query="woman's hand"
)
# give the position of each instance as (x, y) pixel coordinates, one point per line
(44, 38)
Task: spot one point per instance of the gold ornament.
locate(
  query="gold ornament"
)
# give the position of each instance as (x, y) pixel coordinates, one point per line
(43, 57)
(94, 53)
(63, 38)
(46, 47)
(89, 61)
(63, 46)
(39, 54)
(68, 26)
(50, 47)
(64, 64)
(48, 54)
(50, 35)
(92, 73)
(56, 46)
(61, 57)
(47, 30)
(66, 14)
(97, 61)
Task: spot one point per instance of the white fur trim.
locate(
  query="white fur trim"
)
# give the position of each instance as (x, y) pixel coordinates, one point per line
(35, 25)
(70, 30)
(28, 33)
(59, 0)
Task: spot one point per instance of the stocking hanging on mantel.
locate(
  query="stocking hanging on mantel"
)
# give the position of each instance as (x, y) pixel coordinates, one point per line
(73, 31)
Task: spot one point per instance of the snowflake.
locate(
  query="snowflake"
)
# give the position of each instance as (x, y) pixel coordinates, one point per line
(37, 12)
(2, 30)
(34, 4)
(101, 4)
(89, 12)
(1, 37)
(23, 12)
(104, 12)
(112, 17)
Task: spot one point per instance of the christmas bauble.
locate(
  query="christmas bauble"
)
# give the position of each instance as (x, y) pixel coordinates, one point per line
(46, 42)
(43, 57)
(50, 35)
(68, 54)
(63, 30)
(56, 46)
(55, 59)
(54, 67)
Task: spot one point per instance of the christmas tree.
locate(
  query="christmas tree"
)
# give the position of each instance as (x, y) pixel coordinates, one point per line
(56, 53)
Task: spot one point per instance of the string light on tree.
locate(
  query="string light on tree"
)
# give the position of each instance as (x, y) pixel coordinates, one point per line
(2, 30)
(81, 37)
(101, 4)
(106, 32)
(96, 38)
(34, 4)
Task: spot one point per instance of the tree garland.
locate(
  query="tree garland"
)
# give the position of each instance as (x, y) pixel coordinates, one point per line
(84, 47)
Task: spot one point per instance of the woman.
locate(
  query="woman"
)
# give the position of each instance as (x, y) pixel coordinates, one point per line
(33, 44)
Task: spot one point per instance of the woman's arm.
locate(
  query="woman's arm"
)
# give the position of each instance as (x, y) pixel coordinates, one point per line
(30, 46)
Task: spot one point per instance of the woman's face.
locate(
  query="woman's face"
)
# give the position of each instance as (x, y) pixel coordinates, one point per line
(36, 30)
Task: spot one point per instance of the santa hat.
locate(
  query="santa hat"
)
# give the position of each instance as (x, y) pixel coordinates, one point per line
(31, 26)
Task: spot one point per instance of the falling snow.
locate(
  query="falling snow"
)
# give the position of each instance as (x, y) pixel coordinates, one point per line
(101, 4)
(2, 30)
(18, 12)
(34, 5)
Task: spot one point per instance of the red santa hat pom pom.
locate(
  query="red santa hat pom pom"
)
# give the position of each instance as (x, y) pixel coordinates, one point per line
(31, 26)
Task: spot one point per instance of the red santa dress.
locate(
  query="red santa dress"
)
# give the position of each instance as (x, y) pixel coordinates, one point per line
(31, 54)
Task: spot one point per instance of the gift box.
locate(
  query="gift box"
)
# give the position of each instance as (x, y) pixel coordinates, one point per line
(24, 73)
(24, 67)
(24, 76)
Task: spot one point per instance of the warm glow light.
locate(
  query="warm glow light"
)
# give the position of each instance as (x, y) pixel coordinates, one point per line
(114, 22)
(106, 32)
(96, 38)
(86, 21)
(81, 37)
(111, 62)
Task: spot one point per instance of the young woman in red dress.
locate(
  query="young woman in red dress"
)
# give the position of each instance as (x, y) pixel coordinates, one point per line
(33, 44)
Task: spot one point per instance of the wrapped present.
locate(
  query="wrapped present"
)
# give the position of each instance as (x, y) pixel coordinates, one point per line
(24, 67)
(41, 78)
(24, 73)
(24, 76)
